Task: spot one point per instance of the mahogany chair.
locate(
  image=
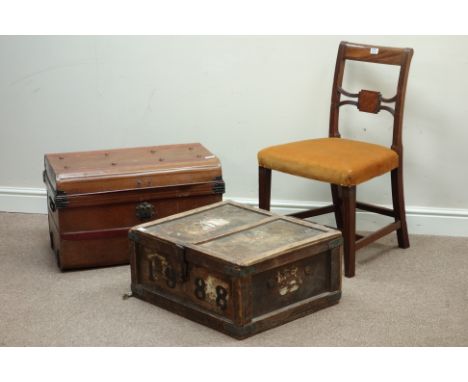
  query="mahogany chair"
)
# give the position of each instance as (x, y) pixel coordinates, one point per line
(345, 163)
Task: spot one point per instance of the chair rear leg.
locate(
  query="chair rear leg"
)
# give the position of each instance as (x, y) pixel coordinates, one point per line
(337, 205)
(264, 188)
(349, 229)
(399, 206)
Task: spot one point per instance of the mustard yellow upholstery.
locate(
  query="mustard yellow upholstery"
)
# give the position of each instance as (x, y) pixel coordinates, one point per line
(334, 160)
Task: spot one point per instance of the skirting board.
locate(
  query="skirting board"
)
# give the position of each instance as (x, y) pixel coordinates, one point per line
(421, 220)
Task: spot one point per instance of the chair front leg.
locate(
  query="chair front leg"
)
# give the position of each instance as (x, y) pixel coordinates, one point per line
(264, 188)
(335, 190)
(348, 210)
(399, 206)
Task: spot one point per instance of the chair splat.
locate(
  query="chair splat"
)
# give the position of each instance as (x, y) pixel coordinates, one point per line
(369, 101)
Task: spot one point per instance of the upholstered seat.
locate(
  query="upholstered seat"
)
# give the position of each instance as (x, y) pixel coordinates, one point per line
(339, 161)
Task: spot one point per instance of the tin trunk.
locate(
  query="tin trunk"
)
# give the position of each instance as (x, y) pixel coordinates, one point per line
(95, 197)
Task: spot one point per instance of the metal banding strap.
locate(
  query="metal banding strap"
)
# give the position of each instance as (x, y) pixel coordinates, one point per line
(97, 234)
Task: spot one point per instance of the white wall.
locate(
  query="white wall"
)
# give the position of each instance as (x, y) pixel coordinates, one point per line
(235, 94)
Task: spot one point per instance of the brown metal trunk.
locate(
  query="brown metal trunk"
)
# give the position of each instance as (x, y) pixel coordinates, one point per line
(95, 197)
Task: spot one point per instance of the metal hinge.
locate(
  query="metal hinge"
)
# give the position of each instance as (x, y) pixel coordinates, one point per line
(183, 266)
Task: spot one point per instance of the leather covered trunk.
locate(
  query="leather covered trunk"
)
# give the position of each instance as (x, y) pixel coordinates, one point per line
(236, 269)
(95, 197)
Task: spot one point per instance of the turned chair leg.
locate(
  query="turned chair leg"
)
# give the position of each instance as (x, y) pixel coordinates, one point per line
(399, 207)
(335, 190)
(264, 188)
(348, 210)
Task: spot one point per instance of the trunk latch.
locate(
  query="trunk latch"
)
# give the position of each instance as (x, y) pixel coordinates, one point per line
(145, 211)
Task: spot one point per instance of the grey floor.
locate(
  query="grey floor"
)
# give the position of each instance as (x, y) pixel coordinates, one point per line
(413, 297)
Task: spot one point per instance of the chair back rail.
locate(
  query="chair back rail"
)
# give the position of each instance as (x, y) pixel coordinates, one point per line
(370, 101)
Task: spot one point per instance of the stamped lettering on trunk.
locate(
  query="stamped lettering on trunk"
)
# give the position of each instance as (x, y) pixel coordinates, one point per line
(288, 280)
(211, 292)
(158, 266)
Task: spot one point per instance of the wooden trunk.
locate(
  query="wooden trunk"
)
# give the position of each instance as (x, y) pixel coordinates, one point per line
(95, 197)
(236, 269)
